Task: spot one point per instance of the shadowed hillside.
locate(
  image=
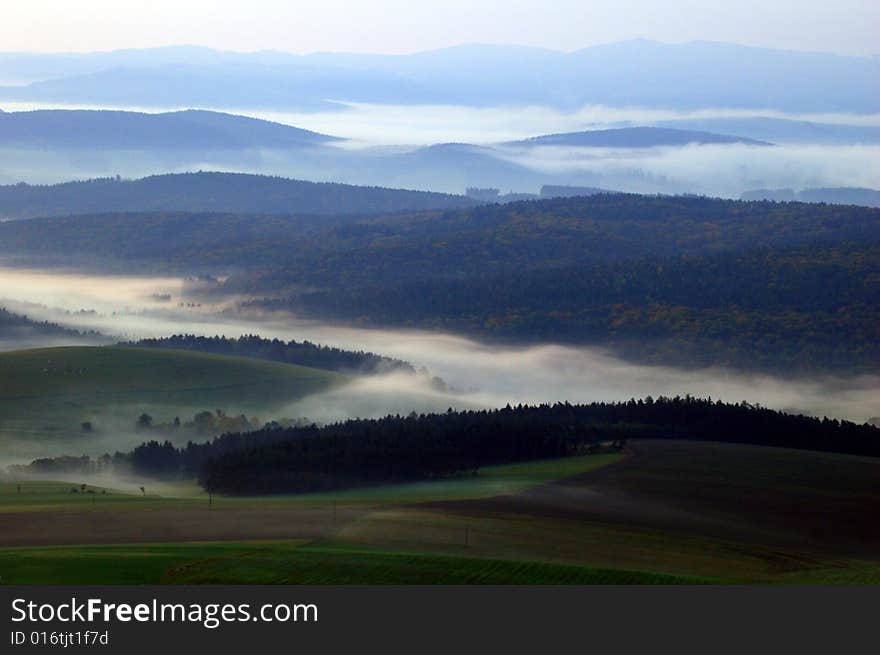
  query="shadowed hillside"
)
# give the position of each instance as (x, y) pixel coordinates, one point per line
(84, 394)
(214, 192)
(132, 130)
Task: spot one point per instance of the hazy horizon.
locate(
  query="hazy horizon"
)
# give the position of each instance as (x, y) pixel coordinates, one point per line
(197, 46)
(392, 26)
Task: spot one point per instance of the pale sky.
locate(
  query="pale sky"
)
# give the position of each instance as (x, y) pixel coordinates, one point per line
(399, 26)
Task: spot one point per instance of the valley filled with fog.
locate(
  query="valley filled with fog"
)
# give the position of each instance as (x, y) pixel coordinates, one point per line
(718, 152)
(450, 148)
(476, 375)
(457, 297)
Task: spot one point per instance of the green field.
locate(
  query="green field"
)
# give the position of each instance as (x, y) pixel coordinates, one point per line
(46, 394)
(289, 563)
(338, 562)
(39, 496)
(324, 560)
(501, 479)
(665, 512)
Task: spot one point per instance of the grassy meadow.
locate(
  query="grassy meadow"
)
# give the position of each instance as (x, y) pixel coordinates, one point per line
(644, 517)
(47, 394)
(54, 496)
(290, 563)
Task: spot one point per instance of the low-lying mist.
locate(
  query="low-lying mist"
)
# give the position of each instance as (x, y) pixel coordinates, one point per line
(714, 170)
(389, 124)
(378, 134)
(374, 124)
(105, 482)
(478, 374)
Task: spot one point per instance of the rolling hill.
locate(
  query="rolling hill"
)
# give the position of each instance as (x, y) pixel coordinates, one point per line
(11, 323)
(191, 129)
(480, 241)
(673, 280)
(634, 137)
(214, 192)
(18, 331)
(46, 394)
(638, 73)
(780, 130)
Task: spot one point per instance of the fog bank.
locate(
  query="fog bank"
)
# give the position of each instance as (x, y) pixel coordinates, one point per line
(481, 375)
(713, 170)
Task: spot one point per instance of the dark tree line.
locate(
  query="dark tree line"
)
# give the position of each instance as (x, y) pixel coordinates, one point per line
(397, 449)
(303, 353)
(118, 463)
(10, 322)
(419, 447)
(364, 452)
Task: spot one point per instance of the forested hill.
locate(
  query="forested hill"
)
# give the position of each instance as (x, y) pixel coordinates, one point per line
(363, 452)
(797, 309)
(128, 130)
(481, 240)
(544, 234)
(214, 192)
(302, 353)
(663, 279)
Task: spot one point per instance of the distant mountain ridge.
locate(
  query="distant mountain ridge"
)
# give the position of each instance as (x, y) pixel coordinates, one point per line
(634, 137)
(54, 146)
(215, 192)
(202, 129)
(196, 129)
(781, 130)
(637, 73)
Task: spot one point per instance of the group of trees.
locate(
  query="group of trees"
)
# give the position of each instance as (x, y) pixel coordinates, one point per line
(118, 463)
(12, 324)
(203, 423)
(419, 447)
(363, 452)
